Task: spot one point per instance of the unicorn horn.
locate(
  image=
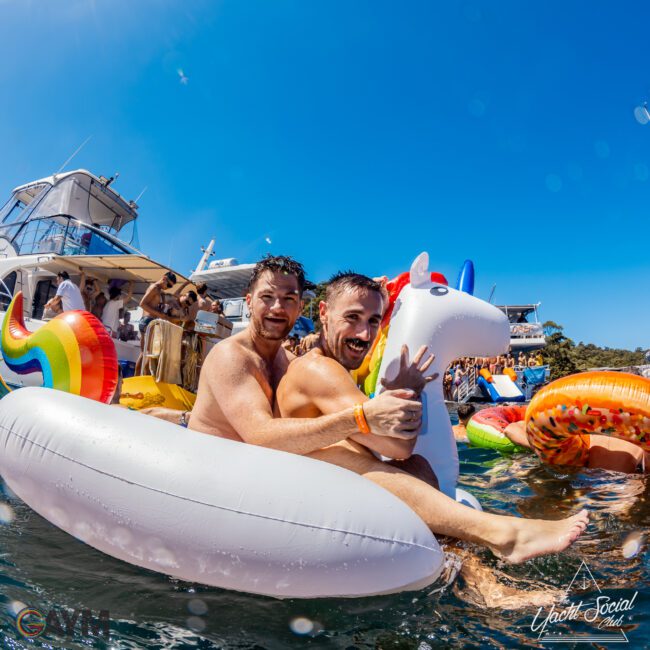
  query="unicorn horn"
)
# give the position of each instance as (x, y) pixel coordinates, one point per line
(465, 280)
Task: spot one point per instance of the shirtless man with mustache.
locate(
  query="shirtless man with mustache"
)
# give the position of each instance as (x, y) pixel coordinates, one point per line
(320, 406)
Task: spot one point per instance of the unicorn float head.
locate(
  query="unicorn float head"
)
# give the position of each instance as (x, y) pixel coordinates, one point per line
(451, 323)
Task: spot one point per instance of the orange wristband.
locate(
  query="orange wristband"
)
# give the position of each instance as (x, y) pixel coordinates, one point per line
(360, 418)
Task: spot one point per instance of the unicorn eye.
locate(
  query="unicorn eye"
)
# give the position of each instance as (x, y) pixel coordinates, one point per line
(438, 291)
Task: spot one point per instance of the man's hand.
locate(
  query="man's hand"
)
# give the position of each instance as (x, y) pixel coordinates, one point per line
(394, 413)
(409, 374)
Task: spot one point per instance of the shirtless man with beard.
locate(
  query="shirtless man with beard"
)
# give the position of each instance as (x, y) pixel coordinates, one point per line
(317, 399)
(239, 377)
(319, 384)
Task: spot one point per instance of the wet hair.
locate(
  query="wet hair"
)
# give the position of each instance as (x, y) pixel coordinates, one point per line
(171, 277)
(64, 275)
(278, 264)
(465, 412)
(201, 288)
(192, 294)
(114, 292)
(348, 280)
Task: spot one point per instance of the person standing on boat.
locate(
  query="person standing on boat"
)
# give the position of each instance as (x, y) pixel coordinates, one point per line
(68, 296)
(154, 306)
(205, 302)
(112, 309)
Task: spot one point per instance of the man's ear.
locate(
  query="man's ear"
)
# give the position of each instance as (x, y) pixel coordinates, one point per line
(249, 297)
(322, 311)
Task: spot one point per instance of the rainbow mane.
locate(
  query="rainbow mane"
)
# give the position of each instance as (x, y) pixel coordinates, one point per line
(367, 374)
(73, 352)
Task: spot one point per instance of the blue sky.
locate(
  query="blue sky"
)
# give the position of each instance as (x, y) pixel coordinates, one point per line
(357, 134)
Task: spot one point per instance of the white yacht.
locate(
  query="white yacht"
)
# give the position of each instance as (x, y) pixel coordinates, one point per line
(72, 221)
(526, 332)
(227, 280)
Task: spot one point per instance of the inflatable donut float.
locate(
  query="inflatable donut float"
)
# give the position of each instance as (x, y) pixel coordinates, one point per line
(486, 428)
(563, 414)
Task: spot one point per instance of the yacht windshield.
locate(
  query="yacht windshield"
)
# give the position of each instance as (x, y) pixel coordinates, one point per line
(14, 210)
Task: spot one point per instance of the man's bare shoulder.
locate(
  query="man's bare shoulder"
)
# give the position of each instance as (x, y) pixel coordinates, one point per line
(234, 351)
(315, 366)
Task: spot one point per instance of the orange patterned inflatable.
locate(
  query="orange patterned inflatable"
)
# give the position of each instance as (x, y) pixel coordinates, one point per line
(563, 414)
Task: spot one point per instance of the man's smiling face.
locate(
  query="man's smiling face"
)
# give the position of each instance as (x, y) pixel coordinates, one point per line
(274, 305)
(350, 324)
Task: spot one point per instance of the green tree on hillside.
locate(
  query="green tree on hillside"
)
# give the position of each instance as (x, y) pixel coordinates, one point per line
(558, 350)
(565, 357)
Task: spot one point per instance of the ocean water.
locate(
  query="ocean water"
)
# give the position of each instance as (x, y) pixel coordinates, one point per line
(45, 569)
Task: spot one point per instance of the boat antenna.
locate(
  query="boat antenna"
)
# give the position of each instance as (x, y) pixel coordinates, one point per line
(207, 254)
(144, 189)
(494, 286)
(79, 148)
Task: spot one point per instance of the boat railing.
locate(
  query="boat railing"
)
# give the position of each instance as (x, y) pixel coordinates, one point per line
(62, 235)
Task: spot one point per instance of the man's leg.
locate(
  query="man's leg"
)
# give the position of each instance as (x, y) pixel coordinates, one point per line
(512, 538)
(138, 363)
(614, 454)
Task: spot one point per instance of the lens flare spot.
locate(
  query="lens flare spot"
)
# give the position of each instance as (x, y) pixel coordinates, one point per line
(601, 148)
(641, 115)
(301, 625)
(6, 513)
(476, 107)
(641, 172)
(197, 607)
(553, 183)
(195, 624)
(632, 544)
(15, 606)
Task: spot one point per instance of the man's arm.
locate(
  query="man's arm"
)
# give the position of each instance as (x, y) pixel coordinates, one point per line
(248, 409)
(129, 294)
(327, 385)
(177, 291)
(234, 381)
(53, 303)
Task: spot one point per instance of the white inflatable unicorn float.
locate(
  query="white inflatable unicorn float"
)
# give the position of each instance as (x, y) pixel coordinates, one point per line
(452, 324)
(222, 513)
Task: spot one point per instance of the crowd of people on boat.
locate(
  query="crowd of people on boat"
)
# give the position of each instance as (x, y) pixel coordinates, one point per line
(110, 303)
(459, 370)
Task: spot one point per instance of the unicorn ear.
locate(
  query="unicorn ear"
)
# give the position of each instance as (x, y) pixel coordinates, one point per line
(420, 276)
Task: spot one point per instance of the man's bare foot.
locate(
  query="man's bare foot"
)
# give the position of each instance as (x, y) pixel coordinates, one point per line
(524, 539)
